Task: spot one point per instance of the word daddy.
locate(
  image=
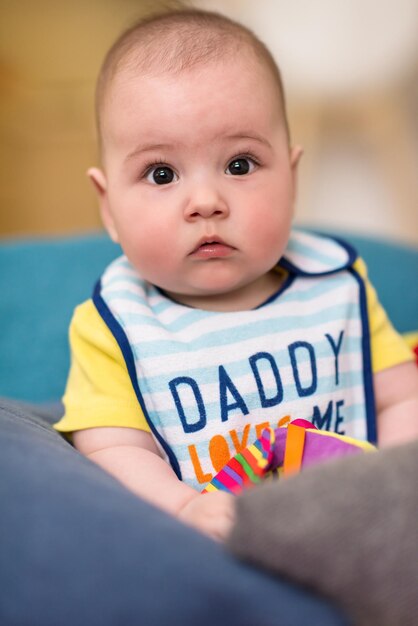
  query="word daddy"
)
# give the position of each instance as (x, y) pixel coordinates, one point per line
(230, 398)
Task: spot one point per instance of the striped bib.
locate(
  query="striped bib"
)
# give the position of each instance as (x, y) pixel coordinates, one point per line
(210, 382)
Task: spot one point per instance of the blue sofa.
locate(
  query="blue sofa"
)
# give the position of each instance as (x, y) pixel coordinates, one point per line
(41, 281)
(78, 548)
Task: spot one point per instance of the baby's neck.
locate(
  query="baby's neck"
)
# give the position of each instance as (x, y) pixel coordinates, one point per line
(242, 299)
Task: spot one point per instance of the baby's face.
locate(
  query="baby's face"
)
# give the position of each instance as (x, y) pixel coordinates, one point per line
(198, 180)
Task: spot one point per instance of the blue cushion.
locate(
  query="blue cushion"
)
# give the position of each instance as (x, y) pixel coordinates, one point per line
(41, 281)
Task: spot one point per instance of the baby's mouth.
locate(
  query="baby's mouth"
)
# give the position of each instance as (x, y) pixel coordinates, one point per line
(212, 248)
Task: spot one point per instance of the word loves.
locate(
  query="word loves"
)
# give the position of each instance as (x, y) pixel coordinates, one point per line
(269, 392)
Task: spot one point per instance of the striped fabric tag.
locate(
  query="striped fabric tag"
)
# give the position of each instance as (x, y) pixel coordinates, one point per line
(246, 468)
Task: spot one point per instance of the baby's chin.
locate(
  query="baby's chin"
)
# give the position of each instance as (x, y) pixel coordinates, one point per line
(212, 287)
(197, 295)
(239, 298)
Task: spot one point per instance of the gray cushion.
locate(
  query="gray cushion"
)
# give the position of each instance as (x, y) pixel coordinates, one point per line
(78, 549)
(347, 529)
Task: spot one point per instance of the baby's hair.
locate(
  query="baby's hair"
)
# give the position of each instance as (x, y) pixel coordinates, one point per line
(178, 40)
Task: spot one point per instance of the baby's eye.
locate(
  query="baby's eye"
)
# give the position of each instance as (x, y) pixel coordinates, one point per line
(161, 175)
(240, 166)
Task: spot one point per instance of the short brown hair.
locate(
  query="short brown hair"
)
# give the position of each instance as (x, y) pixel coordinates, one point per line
(176, 40)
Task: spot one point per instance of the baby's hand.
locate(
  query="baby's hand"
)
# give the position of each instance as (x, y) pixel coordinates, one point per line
(211, 513)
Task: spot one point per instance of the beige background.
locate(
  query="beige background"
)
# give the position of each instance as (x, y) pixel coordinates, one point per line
(360, 169)
(50, 54)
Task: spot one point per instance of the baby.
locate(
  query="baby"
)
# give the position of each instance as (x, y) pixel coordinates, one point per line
(219, 320)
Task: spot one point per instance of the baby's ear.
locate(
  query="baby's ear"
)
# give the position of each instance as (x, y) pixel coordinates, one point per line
(98, 179)
(295, 156)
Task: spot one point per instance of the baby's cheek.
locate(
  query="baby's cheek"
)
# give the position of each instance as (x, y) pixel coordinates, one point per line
(139, 249)
(153, 257)
(272, 235)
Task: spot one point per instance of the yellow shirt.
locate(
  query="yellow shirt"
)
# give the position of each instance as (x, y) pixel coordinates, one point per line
(99, 390)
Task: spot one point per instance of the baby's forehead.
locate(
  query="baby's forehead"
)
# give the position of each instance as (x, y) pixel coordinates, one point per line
(133, 65)
(241, 95)
(129, 77)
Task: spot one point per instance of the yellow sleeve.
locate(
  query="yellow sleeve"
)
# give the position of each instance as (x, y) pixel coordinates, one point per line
(99, 391)
(387, 347)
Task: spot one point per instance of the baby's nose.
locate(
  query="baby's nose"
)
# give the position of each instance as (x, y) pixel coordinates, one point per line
(206, 203)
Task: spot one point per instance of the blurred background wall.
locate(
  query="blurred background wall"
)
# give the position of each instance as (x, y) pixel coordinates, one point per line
(351, 73)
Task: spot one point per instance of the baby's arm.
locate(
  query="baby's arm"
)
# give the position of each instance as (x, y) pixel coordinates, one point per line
(132, 457)
(396, 392)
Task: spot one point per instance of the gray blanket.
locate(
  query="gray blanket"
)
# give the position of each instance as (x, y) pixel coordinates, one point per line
(347, 529)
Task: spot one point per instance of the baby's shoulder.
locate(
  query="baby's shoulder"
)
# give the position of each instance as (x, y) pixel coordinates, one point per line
(87, 323)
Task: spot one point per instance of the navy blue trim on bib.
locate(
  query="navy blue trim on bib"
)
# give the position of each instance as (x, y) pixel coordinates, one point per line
(352, 255)
(286, 284)
(122, 340)
(351, 251)
(367, 361)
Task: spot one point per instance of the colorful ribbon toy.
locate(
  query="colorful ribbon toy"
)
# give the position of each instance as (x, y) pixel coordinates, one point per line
(283, 452)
